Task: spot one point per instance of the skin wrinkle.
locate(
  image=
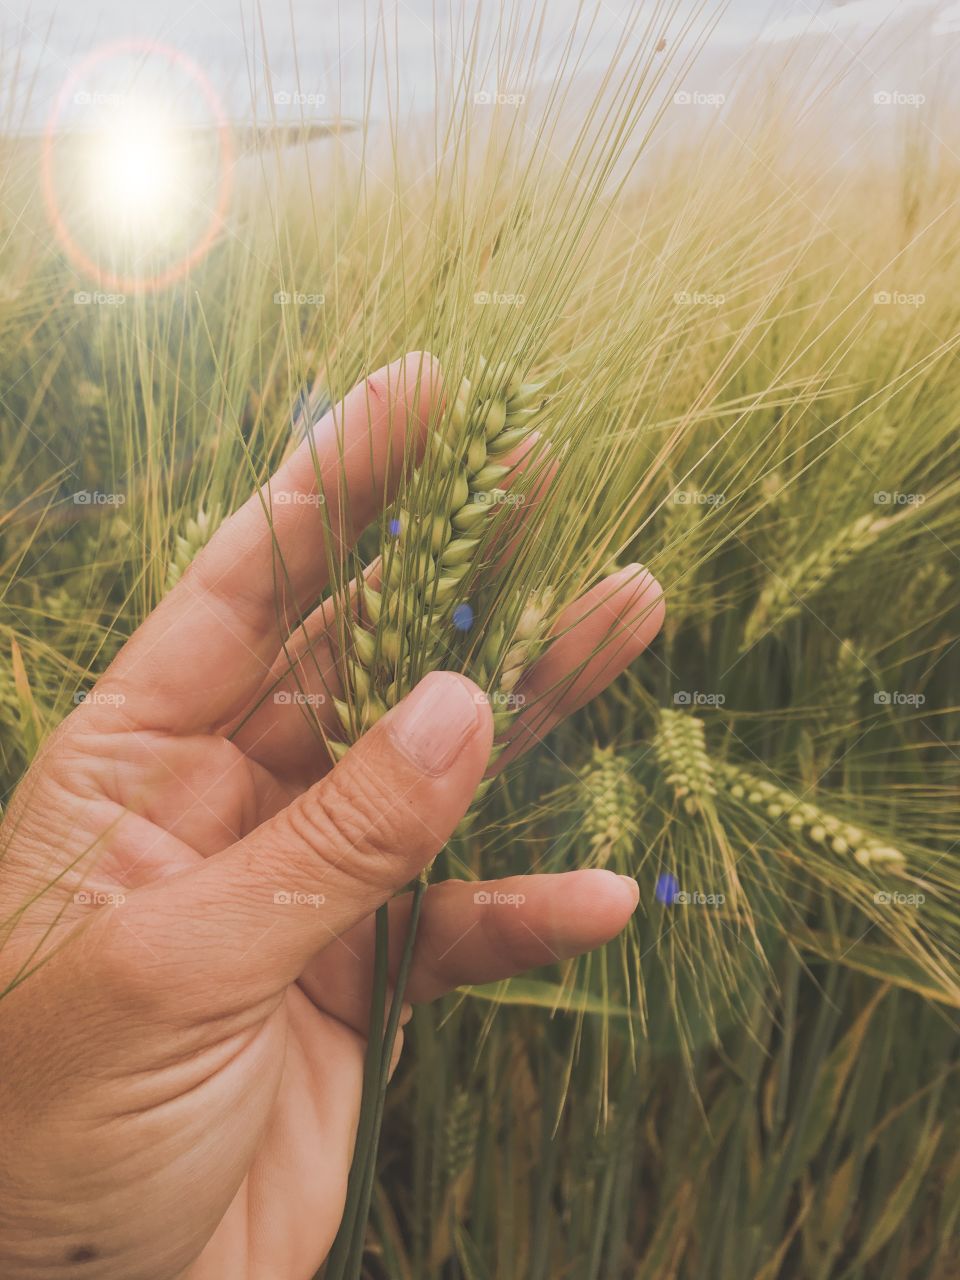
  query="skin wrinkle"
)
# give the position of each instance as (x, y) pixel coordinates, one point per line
(201, 1012)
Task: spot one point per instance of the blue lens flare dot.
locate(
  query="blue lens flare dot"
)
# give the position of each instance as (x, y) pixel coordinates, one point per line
(462, 617)
(394, 527)
(668, 886)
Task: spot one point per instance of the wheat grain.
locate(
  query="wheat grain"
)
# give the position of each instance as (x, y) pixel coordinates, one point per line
(680, 747)
(461, 1132)
(409, 621)
(197, 532)
(612, 802)
(784, 595)
(813, 822)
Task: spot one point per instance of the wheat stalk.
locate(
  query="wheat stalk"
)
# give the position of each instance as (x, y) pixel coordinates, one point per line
(784, 595)
(430, 547)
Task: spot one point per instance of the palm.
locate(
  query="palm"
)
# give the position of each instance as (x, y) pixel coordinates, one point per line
(210, 1034)
(154, 805)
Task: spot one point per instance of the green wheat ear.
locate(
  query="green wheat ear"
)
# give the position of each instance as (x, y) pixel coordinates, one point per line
(461, 1134)
(615, 796)
(197, 532)
(680, 747)
(408, 622)
(813, 822)
(840, 696)
(784, 595)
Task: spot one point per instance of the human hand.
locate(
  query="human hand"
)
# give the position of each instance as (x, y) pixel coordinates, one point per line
(189, 890)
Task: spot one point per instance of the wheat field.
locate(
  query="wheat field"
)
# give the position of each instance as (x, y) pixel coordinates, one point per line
(736, 340)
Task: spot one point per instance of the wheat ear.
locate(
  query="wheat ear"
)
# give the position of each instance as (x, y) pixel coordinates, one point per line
(680, 746)
(609, 819)
(197, 532)
(427, 556)
(813, 822)
(783, 596)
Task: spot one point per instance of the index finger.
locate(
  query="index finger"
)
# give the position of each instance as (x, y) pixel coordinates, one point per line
(201, 655)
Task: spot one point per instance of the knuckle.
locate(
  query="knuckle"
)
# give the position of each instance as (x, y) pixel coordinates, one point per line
(124, 969)
(353, 827)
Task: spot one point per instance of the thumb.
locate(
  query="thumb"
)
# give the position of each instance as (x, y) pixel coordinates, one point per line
(251, 917)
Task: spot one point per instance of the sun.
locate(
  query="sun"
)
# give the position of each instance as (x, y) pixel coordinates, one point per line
(137, 173)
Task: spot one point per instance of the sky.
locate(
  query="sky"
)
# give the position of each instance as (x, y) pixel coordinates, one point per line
(223, 38)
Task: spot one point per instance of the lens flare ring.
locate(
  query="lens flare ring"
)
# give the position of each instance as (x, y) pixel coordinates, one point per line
(125, 158)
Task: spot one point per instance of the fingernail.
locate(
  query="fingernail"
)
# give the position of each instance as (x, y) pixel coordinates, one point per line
(634, 888)
(629, 573)
(433, 723)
